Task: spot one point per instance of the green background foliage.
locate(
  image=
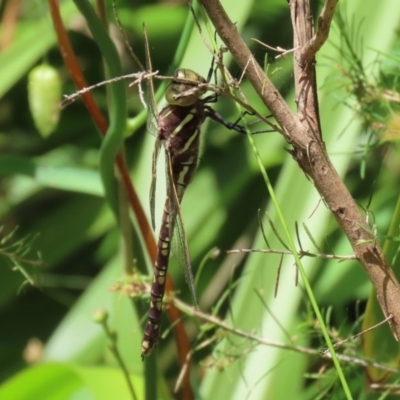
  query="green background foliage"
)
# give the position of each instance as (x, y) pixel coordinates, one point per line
(70, 244)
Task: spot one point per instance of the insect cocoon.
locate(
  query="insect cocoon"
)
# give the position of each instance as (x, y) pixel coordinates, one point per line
(44, 96)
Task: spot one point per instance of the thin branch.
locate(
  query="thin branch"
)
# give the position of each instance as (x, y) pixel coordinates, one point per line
(138, 76)
(283, 52)
(301, 253)
(341, 342)
(267, 342)
(309, 51)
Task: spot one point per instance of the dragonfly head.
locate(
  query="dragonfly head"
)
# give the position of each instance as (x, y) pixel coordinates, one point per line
(188, 93)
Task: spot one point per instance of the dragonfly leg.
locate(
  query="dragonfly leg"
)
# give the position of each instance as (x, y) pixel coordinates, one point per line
(211, 113)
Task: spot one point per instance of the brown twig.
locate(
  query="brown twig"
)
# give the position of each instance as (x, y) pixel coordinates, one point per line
(363, 332)
(303, 132)
(301, 253)
(324, 24)
(212, 319)
(8, 22)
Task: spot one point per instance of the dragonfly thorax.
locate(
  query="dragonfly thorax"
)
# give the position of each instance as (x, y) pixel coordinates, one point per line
(185, 94)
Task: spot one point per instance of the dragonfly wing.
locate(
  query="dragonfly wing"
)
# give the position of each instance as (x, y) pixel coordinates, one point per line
(179, 245)
(152, 112)
(152, 122)
(156, 153)
(180, 250)
(152, 126)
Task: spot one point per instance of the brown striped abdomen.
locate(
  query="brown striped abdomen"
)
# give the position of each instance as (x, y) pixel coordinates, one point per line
(152, 329)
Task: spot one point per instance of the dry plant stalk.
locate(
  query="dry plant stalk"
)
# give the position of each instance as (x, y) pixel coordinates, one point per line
(303, 132)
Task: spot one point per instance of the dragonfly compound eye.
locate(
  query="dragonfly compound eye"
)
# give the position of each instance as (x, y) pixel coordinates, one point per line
(185, 94)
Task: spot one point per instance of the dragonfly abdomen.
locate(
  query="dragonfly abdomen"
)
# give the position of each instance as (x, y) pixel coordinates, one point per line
(152, 329)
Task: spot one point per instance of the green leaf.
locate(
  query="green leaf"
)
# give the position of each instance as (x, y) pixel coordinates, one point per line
(25, 51)
(55, 381)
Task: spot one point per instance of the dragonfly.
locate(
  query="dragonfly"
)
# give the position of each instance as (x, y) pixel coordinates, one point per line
(177, 131)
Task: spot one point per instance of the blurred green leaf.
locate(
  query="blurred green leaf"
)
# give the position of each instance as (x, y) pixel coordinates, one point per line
(25, 51)
(61, 381)
(52, 188)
